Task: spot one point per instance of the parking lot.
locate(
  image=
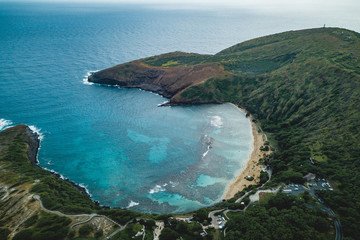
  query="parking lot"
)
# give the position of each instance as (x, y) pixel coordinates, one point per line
(220, 221)
(294, 189)
(319, 184)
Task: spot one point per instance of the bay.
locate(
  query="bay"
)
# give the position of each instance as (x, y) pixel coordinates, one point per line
(118, 143)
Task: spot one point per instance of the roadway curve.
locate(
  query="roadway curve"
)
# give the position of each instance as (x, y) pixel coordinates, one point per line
(214, 222)
(90, 217)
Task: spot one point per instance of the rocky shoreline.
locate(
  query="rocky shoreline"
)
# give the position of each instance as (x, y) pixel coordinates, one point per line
(168, 82)
(33, 142)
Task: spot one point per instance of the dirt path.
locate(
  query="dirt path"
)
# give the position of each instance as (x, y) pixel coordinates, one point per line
(256, 196)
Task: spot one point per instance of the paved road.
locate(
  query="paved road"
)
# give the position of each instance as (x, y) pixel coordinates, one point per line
(90, 217)
(118, 230)
(269, 171)
(230, 210)
(214, 221)
(337, 224)
(338, 228)
(256, 196)
(37, 197)
(319, 185)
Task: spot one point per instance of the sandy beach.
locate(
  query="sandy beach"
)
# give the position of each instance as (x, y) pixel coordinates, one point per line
(253, 167)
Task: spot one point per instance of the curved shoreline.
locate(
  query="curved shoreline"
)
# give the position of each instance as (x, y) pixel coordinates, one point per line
(253, 167)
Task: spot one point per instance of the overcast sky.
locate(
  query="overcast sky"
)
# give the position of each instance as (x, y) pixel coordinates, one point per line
(349, 9)
(235, 3)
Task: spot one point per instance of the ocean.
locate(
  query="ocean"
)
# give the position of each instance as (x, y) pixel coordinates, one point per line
(118, 143)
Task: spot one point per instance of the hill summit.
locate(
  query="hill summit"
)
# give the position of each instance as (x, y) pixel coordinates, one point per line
(302, 88)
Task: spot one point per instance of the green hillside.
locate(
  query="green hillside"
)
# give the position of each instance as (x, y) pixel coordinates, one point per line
(303, 88)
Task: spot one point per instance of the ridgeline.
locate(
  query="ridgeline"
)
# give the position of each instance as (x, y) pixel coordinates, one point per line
(301, 87)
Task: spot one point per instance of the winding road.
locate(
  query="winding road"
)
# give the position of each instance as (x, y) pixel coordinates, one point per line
(90, 217)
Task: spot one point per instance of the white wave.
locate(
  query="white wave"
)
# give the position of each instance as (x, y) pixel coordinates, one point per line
(4, 124)
(37, 131)
(132, 204)
(207, 151)
(86, 190)
(149, 91)
(173, 184)
(66, 179)
(55, 172)
(86, 77)
(159, 105)
(216, 121)
(157, 189)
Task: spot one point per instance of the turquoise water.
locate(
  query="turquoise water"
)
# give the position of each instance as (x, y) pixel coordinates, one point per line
(126, 150)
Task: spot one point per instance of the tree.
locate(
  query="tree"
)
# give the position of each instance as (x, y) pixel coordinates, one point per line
(168, 234)
(85, 230)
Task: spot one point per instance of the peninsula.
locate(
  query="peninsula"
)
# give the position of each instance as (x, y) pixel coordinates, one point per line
(301, 88)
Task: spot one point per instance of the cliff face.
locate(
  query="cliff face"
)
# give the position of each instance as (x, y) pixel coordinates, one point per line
(22, 181)
(302, 86)
(167, 81)
(33, 144)
(173, 74)
(16, 205)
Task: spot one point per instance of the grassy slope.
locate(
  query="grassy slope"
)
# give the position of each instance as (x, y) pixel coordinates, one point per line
(21, 218)
(23, 179)
(55, 193)
(304, 89)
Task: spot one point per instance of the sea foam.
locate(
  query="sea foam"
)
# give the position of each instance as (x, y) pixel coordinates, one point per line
(86, 77)
(207, 151)
(4, 124)
(216, 121)
(157, 189)
(132, 204)
(37, 131)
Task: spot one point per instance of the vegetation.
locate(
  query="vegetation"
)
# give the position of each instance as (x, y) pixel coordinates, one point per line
(301, 87)
(121, 216)
(4, 233)
(281, 217)
(56, 194)
(175, 229)
(264, 177)
(48, 227)
(176, 59)
(85, 230)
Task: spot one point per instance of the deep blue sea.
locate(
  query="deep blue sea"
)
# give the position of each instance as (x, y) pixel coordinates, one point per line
(118, 143)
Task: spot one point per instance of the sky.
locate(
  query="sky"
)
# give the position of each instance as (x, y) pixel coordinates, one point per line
(346, 11)
(308, 4)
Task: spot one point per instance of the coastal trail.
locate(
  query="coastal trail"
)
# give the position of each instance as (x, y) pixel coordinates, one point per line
(89, 218)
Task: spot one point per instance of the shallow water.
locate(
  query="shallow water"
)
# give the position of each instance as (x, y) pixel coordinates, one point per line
(118, 143)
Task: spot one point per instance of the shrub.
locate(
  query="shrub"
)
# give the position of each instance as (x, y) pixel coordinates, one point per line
(85, 230)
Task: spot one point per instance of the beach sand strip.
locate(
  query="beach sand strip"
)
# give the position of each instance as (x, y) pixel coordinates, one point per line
(253, 167)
